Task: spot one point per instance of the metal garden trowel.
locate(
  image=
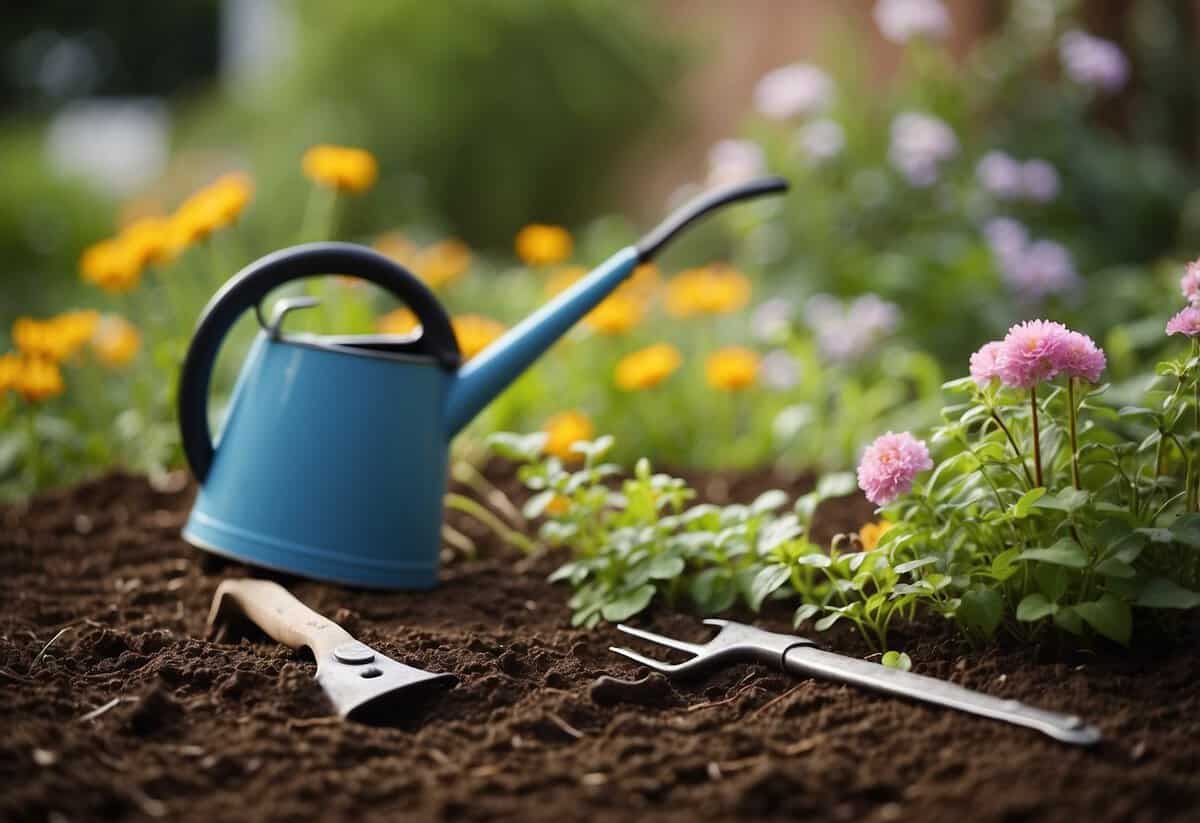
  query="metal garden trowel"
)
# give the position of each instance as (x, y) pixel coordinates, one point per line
(363, 684)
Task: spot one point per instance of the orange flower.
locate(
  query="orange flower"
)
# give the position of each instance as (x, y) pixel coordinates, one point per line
(564, 430)
(10, 371)
(56, 339)
(442, 263)
(559, 504)
(39, 379)
(112, 265)
(731, 369)
(541, 245)
(147, 240)
(869, 534)
(398, 321)
(341, 168)
(709, 290)
(116, 341)
(475, 333)
(615, 315)
(208, 209)
(646, 368)
(396, 246)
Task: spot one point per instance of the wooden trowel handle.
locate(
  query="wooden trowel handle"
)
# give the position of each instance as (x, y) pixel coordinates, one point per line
(278, 613)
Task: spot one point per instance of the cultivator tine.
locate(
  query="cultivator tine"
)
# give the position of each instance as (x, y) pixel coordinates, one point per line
(648, 662)
(661, 640)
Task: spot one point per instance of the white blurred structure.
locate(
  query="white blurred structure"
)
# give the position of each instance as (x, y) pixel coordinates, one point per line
(117, 144)
(256, 37)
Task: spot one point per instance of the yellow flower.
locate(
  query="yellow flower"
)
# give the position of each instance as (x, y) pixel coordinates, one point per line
(39, 379)
(562, 279)
(398, 321)
(56, 339)
(396, 246)
(116, 341)
(442, 263)
(112, 265)
(709, 290)
(208, 209)
(731, 369)
(147, 240)
(644, 280)
(564, 430)
(475, 333)
(646, 368)
(341, 168)
(10, 371)
(869, 534)
(615, 315)
(541, 245)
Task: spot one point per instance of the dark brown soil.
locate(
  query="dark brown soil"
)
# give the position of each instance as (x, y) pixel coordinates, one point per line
(130, 712)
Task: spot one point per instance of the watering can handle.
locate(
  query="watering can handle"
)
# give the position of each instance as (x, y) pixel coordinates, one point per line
(247, 288)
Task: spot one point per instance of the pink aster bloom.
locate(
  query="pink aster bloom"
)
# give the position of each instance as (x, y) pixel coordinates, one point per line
(1187, 322)
(985, 363)
(889, 465)
(1082, 358)
(1033, 352)
(1189, 284)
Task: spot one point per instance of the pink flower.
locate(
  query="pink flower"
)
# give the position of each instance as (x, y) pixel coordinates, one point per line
(1033, 352)
(889, 465)
(1187, 322)
(985, 363)
(1082, 358)
(1189, 284)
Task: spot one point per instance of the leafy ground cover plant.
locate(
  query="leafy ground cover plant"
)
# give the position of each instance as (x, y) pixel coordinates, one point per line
(1048, 508)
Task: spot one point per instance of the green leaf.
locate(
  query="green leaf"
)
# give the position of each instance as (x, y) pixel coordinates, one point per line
(518, 448)
(713, 590)
(828, 620)
(1067, 500)
(1067, 619)
(1109, 616)
(1025, 504)
(1002, 564)
(1135, 411)
(1065, 552)
(805, 612)
(1115, 567)
(1186, 529)
(1161, 593)
(897, 660)
(536, 505)
(981, 609)
(838, 484)
(1034, 607)
(664, 567)
(768, 501)
(912, 565)
(627, 604)
(768, 579)
(818, 560)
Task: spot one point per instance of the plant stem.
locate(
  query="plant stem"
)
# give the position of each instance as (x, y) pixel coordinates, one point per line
(1074, 435)
(1194, 490)
(1012, 440)
(34, 461)
(1037, 446)
(469, 507)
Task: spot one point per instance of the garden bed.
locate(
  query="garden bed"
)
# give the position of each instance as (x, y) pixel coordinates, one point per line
(227, 730)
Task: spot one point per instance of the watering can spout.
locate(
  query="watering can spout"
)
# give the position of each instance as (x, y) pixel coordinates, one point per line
(484, 377)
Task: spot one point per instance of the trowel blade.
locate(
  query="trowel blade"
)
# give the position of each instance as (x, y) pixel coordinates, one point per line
(369, 687)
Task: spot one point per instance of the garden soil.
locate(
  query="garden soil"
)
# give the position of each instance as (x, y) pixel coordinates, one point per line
(130, 712)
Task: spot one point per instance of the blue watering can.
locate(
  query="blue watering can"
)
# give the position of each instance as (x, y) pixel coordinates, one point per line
(332, 460)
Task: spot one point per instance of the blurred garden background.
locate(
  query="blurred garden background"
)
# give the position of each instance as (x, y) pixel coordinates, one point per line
(956, 167)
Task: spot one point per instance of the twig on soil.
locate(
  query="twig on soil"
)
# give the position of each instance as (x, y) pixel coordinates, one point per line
(567, 728)
(772, 702)
(46, 648)
(112, 704)
(305, 722)
(801, 747)
(17, 677)
(439, 757)
(741, 689)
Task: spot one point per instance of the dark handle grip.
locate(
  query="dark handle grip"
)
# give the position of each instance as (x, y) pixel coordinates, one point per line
(247, 288)
(693, 210)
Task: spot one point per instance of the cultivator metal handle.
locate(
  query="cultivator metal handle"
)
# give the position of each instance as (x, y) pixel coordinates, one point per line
(810, 661)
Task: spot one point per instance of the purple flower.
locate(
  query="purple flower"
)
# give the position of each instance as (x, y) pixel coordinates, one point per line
(1093, 61)
(985, 363)
(820, 140)
(903, 20)
(779, 370)
(1000, 175)
(1082, 358)
(889, 466)
(1041, 269)
(920, 143)
(1039, 181)
(846, 332)
(772, 319)
(1033, 352)
(1189, 284)
(1007, 239)
(797, 90)
(1187, 322)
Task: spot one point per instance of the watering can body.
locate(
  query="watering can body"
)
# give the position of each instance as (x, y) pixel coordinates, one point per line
(331, 461)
